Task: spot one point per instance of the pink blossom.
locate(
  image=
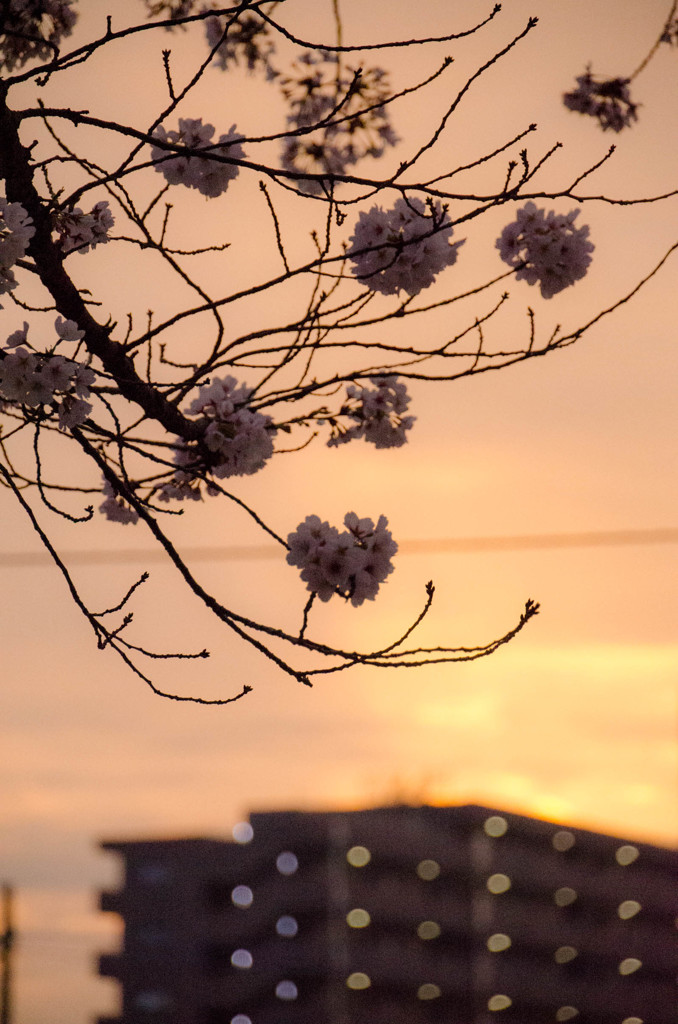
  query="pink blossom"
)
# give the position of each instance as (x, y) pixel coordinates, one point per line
(353, 563)
(402, 249)
(210, 177)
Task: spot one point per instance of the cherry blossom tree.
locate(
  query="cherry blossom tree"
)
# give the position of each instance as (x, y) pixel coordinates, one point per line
(152, 427)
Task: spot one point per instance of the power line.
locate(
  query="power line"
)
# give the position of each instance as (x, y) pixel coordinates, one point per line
(433, 545)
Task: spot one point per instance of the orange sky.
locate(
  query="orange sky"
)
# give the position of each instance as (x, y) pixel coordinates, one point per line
(574, 721)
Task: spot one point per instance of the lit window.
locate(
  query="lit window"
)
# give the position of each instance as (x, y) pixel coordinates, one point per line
(428, 870)
(240, 1018)
(428, 930)
(287, 863)
(358, 918)
(358, 980)
(428, 991)
(243, 832)
(498, 942)
(567, 1013)
(563, 841)
(565, 954)
(633, 1020)
(286, 990)
(498, 884)
(564, 896)
(499, 1002)
(627, 909)
(242, 896)
(286, 926)
(495, 826)
(630, 965)
(358, 856)
(242, 958)
(626, 855)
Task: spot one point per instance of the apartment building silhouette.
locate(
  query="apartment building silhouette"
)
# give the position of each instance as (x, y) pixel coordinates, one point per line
(396, 915)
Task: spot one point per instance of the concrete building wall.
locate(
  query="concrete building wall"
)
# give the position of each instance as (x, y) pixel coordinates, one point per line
(397, 915)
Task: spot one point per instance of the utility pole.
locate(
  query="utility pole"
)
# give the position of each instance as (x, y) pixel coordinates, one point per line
(6, 942)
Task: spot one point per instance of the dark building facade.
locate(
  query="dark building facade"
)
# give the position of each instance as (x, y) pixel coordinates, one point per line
(396, 915)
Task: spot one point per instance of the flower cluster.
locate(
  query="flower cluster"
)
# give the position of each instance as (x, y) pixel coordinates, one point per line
(377, 414)
(210, 177)
(316, 87)
(546, 248)
(352, 563)
(83, 231)
(33, 28)
(16, 231)
(247, 38)
(115, 508)
(33, 378)
(403, 248)
(238, 440)
(169, 9)
(608, 100)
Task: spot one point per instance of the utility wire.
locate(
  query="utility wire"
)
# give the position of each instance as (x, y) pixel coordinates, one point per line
(433, 546)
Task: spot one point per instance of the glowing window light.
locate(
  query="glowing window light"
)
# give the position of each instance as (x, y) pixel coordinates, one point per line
(565, 954)
(630, 965)
(563, 841)
(428, 930)
(499, 1002)
(286, 990)
(498, 942)
(626, 855)
(358, 981)
(628, 909)
(633, 1020)
(286, 863)
(286, 926)
(242, 896)
(565, 896)
(243, 832)
(358, 856)
(428, 870)
(242, 958)
(498, 883)
(567, 1013)
(358, 918)
(495, 826)
(240, 1018)
(428, 991)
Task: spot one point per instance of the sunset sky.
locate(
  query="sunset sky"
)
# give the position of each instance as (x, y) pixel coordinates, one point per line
(574, 720)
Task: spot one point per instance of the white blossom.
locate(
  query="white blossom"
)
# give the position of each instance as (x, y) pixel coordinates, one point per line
(247, 38)
(16, 231)
(17, 370)
(68, 330)
(115, 508)
(72, 411)
(18, 337)
(403, 248)
(353, 563)
(546, 248)
(210, 177)
(608, 100)
(316, 86)
(377, 414)
(32, 379)
(34, 24)
(84, 231)
(240, 438)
